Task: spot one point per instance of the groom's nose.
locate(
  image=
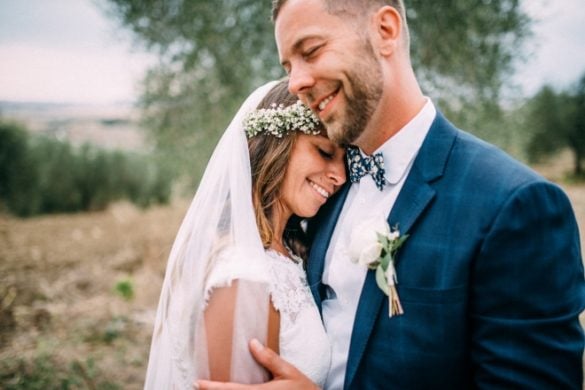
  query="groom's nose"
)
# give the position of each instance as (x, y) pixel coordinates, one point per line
(300, 80)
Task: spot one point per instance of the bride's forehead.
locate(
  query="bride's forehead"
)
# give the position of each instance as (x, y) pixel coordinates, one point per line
(319, 140)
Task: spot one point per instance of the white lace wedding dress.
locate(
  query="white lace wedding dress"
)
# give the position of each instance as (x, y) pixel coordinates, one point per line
(302, 338)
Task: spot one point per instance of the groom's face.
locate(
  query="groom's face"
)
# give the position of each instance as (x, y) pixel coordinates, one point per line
(331, 67)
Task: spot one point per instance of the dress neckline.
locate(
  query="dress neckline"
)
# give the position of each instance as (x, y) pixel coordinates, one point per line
(291, 256)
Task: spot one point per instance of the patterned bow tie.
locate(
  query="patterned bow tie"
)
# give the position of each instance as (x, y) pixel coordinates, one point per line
(360, 166)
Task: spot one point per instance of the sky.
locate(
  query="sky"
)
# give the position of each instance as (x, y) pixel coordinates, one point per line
(557, 47)
(69, 51)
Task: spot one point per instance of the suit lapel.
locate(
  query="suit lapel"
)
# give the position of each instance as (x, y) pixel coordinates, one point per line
(326, 221)
(412, 200)
(415, 196)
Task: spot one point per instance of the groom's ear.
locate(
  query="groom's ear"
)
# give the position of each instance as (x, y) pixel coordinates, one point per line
(388, 30)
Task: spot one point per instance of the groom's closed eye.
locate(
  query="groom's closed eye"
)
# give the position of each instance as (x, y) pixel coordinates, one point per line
(307, 54)
(304, 47)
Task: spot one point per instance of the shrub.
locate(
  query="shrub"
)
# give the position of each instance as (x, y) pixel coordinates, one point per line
(45, 175)
(125, 289)
(18, 173)
(44, 372)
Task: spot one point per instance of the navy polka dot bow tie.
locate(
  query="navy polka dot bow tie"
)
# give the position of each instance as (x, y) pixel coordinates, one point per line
(360, 166)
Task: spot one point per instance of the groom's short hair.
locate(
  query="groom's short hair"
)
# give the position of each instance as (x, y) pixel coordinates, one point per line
(353, 8)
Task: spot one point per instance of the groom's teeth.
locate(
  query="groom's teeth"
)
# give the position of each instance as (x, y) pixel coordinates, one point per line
(320, 189)
(323, 104)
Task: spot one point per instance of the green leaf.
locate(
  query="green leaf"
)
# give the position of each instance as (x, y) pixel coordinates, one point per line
(381, 281)
(398, 243)
(385, 260)
(403, 238)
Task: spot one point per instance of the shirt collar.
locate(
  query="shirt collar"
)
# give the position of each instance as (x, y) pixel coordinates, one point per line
(400, 150)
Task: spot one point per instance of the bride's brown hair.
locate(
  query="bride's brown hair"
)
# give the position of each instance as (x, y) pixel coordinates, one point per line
(269, 157)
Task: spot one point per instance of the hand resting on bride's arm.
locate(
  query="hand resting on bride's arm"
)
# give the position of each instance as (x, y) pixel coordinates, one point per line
(285, 375)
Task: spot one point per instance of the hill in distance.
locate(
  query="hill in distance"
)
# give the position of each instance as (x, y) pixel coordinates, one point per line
(109, 126)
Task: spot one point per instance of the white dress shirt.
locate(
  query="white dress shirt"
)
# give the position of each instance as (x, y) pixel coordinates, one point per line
(364, 201)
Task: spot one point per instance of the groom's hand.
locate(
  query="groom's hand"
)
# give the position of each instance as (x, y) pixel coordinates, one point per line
(286, 376)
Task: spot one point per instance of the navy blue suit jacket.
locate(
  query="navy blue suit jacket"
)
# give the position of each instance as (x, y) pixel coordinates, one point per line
(490, 279)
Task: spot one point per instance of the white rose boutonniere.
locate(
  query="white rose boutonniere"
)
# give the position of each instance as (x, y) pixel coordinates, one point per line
(374, 244)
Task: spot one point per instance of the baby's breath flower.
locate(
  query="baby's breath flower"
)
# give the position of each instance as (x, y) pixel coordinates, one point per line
(279, 120)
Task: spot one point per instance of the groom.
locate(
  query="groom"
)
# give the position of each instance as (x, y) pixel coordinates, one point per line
(490, 278)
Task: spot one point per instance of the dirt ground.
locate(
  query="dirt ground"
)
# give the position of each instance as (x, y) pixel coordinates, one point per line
(59, 300)
(58, 278)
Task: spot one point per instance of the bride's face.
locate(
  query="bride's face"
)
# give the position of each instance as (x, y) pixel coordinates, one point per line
(315, 171)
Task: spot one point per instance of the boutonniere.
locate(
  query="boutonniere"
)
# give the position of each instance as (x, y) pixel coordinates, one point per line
(374, 244)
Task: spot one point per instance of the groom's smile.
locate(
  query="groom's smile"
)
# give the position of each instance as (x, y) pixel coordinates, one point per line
(324, 104)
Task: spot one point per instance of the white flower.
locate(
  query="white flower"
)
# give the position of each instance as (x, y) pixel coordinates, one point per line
(278, 120)
(394, 235)
(364, 246)
(370, 255)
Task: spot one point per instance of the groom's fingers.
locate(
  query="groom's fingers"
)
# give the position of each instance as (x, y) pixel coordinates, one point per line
(286, 376)
(210, 385)
(279, 367)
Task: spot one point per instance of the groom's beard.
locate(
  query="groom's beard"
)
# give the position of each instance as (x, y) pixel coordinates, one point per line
(366, 86)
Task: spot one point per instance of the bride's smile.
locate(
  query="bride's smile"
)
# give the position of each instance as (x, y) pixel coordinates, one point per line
(315, 171)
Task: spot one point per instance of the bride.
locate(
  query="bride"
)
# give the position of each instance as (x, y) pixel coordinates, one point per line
(235, 271)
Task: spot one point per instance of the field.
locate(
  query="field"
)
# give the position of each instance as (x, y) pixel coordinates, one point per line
(78, 294)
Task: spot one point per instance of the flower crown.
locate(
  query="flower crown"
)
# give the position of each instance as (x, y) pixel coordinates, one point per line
(279, 120)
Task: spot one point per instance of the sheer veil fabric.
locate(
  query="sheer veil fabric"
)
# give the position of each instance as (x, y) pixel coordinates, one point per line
(219, 231)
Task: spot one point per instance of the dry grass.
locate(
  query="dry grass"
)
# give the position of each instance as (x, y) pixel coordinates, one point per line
(57, 285)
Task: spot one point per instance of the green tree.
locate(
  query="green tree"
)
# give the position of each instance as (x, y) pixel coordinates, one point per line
(58, 167)
(40, 174)
(556, 120)
(213, 53)
(18, 177)
(576, 138)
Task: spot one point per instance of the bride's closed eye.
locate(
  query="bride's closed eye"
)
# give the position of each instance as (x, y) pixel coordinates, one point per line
(326, 153)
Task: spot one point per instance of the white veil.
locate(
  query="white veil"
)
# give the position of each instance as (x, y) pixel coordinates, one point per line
(220, 215)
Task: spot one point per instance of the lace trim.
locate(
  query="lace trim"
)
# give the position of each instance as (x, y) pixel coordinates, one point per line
(289, 289)
(229, 266)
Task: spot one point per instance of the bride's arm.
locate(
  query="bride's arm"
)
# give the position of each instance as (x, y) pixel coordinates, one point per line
(234, 315)
(286, 376)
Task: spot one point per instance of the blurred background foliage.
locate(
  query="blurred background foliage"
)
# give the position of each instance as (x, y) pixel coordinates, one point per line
(40, 175)
(557, 121)
(212, 54)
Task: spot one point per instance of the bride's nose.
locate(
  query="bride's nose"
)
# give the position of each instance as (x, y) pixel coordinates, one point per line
(336, 173)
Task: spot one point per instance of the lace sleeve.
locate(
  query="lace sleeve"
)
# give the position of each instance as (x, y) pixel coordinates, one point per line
(238, 309)
(289, 291)
(228, 267)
